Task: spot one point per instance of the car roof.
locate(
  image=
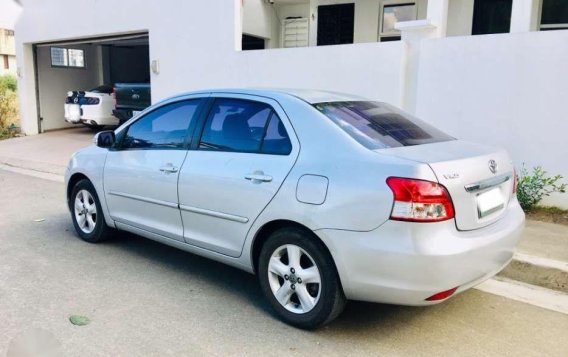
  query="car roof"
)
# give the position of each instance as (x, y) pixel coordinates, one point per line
(311, 96)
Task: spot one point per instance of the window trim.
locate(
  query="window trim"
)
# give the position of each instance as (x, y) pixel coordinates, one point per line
(549, 27)
(202, 107)
(205, 119)
(68, 66)
(389, 3)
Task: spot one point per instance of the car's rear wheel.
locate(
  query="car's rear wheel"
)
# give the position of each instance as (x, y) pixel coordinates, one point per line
(298, 277)
(87, 213)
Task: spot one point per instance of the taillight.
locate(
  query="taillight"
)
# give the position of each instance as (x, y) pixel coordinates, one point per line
(420, 201)
(514, 182)
(113, 95)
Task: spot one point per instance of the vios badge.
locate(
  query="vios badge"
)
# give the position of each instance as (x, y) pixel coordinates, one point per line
(493, 166)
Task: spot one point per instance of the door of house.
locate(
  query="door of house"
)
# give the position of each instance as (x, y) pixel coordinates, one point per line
(491, 16)
(336, 24)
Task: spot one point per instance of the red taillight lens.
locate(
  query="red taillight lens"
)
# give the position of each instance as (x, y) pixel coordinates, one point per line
(420, 201)
(442, 295)
(113, 97)
(514, 182)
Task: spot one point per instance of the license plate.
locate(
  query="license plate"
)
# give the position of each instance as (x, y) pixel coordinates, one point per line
(490, 202)
(135, 113)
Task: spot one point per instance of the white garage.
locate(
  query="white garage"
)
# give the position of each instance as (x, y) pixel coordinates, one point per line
(80, 65)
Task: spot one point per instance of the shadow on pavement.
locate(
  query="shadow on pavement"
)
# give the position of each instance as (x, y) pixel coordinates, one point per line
(357, 316)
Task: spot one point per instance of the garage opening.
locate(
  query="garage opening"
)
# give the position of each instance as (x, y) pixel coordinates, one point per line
(76, 79)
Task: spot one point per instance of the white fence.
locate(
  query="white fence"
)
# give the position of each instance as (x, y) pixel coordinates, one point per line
(506, 90)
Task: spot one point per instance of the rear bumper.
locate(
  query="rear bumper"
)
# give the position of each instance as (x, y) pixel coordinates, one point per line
(404, 263)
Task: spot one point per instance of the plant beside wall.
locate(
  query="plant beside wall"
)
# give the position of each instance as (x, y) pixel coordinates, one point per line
(533, 187)
(8, 106)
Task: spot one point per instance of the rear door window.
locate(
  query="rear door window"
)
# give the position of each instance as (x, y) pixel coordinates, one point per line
(237, 125)
(378, 125)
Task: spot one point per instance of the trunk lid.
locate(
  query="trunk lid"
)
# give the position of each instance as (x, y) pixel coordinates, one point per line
(479, 195)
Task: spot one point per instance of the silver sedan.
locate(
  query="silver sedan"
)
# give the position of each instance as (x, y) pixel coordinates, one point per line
(324, 196)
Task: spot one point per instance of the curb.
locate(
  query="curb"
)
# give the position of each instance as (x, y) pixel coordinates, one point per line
(542, 272)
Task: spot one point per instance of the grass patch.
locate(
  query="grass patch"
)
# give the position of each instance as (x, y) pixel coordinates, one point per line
(548, 214)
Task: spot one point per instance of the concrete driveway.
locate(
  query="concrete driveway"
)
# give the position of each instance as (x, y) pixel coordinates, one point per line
(48, 152)
(146, 299)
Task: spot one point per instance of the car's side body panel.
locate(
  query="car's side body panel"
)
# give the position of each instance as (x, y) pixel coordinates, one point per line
(141, 195)
(90, 162)
(219, 195)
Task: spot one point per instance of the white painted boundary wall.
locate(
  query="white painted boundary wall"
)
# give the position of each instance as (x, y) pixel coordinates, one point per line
(508, 90)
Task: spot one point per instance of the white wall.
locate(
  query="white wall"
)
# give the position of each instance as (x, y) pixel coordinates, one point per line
(55, 82)
(345, 68)
(260, 20)
(9, 13)
(460, 17)
(506, 90)
(197, 49)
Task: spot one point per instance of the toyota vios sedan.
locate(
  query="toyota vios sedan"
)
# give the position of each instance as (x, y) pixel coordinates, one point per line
(324, 196)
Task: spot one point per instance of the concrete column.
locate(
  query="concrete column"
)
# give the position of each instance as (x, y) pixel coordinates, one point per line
(437, 14)
(524, 15)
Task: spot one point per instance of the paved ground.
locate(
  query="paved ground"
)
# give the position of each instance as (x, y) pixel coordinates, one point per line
(49, 152)
(145, 299)
(546, 240)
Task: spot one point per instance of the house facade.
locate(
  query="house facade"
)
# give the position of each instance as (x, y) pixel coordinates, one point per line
(492, 71)
(7, 52)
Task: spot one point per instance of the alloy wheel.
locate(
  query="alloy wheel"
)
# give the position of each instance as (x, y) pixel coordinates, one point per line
(294, 278)
(85, 211)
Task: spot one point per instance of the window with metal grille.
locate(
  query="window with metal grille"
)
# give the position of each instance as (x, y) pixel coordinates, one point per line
(67, 57)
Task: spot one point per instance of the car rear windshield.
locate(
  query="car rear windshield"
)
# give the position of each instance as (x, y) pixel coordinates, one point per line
(378, 125)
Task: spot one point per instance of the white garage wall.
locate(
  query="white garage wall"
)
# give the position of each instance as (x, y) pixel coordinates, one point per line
(506, 90)
(54, 82)
(260, 20)
(196, 50)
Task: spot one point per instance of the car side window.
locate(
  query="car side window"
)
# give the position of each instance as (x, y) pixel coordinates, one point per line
(164, 128)
(276, 140)
(235, 125)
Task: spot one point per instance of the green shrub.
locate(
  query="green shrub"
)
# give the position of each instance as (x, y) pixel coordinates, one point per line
(531, 188)
(8, 105)
(8, 82)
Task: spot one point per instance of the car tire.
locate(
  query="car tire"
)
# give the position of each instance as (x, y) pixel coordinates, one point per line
(95, 127)
(87, 214)
(286, 256)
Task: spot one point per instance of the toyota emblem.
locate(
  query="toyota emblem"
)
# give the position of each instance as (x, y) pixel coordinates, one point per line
(493, 166)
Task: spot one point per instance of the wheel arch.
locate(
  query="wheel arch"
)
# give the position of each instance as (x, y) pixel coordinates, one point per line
(270, 227)
(76, 177)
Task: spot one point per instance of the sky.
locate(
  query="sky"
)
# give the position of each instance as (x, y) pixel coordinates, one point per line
(9, 12)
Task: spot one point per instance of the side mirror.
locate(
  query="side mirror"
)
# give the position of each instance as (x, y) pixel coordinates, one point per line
(104, 139)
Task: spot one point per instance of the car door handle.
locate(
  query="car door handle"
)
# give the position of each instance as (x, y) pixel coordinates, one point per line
(169, 169)
(257, 177)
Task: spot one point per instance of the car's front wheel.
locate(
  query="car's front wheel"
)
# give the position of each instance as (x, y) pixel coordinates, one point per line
(298, 277)
(87, 214)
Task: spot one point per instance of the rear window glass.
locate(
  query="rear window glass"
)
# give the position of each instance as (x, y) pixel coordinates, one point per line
(378, 125)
